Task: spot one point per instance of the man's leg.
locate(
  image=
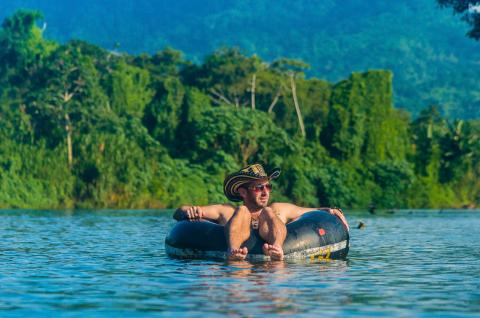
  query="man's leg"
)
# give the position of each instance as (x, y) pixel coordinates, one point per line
(237, 231)
(274, 232)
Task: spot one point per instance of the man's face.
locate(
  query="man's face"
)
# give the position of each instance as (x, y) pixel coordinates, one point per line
(257, 193)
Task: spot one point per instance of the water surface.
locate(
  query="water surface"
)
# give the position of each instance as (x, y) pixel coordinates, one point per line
(111, 263)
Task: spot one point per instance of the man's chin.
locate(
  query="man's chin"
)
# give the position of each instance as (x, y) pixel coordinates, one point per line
(262, 204)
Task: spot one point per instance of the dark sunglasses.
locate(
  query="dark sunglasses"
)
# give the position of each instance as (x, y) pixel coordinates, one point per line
(260, 187)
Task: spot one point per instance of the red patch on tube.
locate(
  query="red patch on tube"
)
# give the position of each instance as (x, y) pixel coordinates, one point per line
(321, 232)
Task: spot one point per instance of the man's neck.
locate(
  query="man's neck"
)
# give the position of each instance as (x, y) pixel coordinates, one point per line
(253, 208)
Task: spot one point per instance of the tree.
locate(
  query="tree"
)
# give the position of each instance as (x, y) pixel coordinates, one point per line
(130, 91)
(392, 179)
(22, 47)
(163, 115)
(470, 12)
(427, 130)
(344, 133)
(243, 134)
(292, 68)
(228, 77)
(162, 64)
(118, 164)
(362, 124)
(71, 99)
(23, 52)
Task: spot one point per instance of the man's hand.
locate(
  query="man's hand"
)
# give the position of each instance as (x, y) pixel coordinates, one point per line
(194, 213)
(339, 213)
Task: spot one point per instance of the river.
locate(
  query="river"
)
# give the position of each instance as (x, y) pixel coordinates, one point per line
(406, 263)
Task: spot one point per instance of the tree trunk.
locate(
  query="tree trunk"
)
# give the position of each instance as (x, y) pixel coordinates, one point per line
(68, 129)
(275, 100)
(254, 77)
(218, 97)
(297, 107)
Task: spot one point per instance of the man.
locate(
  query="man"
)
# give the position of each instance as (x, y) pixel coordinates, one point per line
(252, 186)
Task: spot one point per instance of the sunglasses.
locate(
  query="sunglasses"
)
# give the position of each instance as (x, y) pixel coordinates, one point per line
(260, 187)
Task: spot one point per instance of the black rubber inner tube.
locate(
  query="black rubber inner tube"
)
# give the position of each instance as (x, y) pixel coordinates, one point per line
(315, 235)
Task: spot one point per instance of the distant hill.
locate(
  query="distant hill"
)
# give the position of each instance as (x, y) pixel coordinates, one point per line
(426, 48)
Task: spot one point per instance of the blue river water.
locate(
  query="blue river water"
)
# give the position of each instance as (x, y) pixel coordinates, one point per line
(113, 263)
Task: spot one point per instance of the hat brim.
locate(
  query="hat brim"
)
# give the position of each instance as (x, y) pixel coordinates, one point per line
(235, 181)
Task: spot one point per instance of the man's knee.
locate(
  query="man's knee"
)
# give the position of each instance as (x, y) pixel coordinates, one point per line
(239, 223)
(271, 228)
(241, 214)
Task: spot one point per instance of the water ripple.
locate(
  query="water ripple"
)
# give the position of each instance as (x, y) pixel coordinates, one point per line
(112, 263)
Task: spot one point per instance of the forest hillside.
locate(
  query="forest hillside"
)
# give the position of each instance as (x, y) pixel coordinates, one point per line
(81, 126)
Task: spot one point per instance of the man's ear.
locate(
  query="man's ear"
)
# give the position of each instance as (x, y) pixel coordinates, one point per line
(242, 192)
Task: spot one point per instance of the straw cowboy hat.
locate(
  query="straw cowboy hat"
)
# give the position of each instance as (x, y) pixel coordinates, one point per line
(246, 175)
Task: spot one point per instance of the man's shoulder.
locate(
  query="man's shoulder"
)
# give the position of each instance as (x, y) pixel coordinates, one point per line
(289, 208)
(282, 206)
(221, 205)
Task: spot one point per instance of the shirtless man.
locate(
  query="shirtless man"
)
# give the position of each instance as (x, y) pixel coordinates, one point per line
(252, 186)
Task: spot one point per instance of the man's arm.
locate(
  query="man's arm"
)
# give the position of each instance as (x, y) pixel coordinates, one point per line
(215, 212)
(292, 212)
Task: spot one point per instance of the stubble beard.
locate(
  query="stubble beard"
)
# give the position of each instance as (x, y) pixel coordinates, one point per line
(261, 203)
(257, 203)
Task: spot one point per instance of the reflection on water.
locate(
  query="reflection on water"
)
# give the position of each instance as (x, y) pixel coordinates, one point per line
(271, 287)
(114, 263)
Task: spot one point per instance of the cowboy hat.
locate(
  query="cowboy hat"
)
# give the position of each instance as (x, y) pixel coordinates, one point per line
(246, 175)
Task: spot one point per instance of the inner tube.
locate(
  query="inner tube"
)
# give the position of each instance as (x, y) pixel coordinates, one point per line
(315, 235)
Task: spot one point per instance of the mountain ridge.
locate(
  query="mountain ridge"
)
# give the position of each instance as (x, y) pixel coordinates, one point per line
(426, 47)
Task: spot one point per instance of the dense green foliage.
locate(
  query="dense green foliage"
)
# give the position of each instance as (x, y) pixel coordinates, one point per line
(470, 11)
(421, 43)
(84, 127)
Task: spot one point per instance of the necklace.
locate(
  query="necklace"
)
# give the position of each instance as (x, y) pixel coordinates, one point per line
(255, 215)
(254, 220)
